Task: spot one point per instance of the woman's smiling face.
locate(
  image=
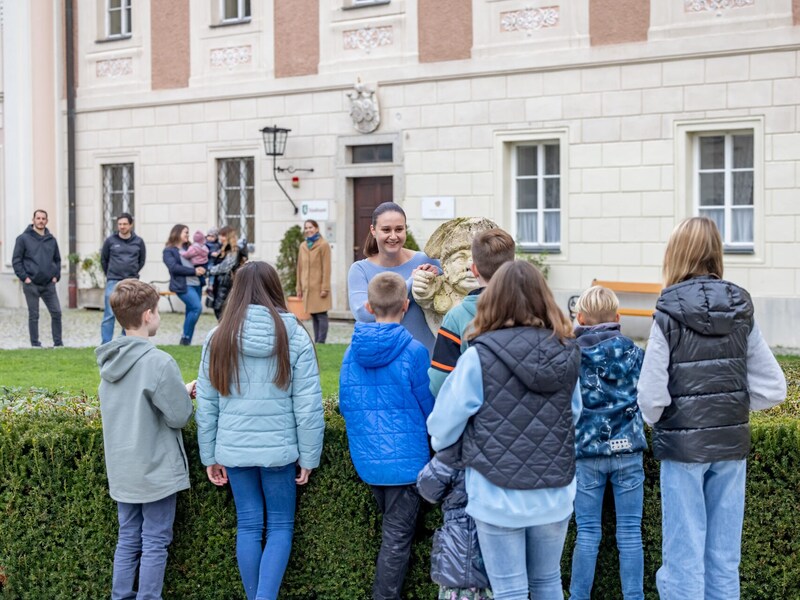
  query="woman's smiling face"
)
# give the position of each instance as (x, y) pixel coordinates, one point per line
(390, 232)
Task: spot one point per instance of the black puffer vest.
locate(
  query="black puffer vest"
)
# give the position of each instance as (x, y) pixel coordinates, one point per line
(523, 437)
(706, 322)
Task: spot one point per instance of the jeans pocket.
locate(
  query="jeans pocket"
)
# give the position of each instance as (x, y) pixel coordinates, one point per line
(630, 472)
(587, 473)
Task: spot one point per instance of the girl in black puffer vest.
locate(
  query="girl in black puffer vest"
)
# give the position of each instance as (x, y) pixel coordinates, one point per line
(706, 367)
(456, 561)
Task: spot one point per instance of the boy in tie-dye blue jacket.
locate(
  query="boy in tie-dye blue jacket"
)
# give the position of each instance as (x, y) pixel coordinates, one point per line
(609, 440)
(610, 423)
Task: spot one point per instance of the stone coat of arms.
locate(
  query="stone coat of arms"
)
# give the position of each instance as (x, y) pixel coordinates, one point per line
(364, 108)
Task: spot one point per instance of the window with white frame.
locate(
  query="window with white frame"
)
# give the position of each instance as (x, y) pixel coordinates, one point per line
(117, 194)
(536, 195)
(723, 185)
(233, 11)
(236, 195)
(118, 18)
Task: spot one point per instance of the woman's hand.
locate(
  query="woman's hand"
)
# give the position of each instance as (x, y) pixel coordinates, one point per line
(428, 267)
(191, 389)
(199, 271)
(324, 294)
(217, 474)
(299, 293)
(302, 477)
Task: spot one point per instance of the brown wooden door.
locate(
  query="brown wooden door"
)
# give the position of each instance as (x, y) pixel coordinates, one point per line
(368, 192)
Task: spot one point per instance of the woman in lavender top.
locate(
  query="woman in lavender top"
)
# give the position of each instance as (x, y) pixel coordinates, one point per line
(385, 252)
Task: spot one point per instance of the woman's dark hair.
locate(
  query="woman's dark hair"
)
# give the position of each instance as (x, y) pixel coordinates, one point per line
(518, 296)
(174, 238)
(254, 283)
(313, 223)
(370, 243)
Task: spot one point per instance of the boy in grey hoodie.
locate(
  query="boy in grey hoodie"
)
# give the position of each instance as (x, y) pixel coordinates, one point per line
(144, 404)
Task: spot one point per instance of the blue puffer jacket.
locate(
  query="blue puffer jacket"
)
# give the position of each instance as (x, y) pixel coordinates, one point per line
(611, 422)
(261, 425)
(384, 398)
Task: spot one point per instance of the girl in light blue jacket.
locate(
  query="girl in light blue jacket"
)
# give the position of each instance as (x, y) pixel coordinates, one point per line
(259, 420)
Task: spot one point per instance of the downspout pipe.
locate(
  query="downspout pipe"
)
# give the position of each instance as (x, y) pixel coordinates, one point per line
(69, 27)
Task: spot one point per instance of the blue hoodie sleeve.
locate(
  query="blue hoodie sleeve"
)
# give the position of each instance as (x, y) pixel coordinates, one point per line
(461, 397)
(420, 381)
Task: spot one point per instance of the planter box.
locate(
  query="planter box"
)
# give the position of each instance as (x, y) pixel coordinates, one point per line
(91, 298)
(295, 305)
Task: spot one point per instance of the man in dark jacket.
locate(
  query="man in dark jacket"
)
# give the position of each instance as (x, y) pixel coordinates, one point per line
(37, 263)
(122, 257)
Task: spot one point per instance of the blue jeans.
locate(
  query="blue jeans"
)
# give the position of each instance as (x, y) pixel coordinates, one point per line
(107, 326)
(145, 533)
(702, 509)
(262, 568)
(626, 474)
(524, 558)
(194, 306)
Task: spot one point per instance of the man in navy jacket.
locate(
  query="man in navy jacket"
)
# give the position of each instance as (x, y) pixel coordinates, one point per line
(122, 257)
(37, 263)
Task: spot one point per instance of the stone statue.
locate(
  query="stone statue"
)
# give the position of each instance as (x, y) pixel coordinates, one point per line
(451, 243)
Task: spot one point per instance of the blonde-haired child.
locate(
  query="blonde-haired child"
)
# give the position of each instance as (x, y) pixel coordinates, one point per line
(609, 441)
(707, 365)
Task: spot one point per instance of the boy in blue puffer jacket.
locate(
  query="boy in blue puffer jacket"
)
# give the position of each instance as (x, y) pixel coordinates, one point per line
(609, 441)
(385, 400)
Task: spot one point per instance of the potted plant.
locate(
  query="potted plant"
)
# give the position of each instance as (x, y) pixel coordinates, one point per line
(287, 269)
(91, 280)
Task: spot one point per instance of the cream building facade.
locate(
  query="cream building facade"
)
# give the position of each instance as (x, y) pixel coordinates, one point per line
(586, 128)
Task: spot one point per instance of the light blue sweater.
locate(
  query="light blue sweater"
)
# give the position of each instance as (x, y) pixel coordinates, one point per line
(362, 272)
(460, 397)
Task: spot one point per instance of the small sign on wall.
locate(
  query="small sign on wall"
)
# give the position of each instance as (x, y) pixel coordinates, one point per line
(438, 207)
(315, 209)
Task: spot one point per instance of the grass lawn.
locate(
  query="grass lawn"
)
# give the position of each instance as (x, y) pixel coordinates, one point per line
(74, 370)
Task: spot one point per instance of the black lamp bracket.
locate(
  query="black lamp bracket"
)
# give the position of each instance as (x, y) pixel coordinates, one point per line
(291, 169)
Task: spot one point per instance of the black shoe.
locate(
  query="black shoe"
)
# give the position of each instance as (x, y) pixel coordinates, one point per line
(185, 341)
(36, 344)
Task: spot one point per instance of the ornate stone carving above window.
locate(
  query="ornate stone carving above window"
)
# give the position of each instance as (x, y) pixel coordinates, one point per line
(368, 38)
(231, 57)
(714, 5)
(113, 68)
(529, 19)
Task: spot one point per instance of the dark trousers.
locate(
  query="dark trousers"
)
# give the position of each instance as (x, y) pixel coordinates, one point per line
(320, 322)
(48, 294)
(399, 506)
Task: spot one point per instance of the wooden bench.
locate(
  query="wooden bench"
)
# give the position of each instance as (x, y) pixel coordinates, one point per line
(164, 292)
(623, 287)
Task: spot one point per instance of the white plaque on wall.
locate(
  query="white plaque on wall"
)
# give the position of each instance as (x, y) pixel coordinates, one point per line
(438, 207)
(314, 209)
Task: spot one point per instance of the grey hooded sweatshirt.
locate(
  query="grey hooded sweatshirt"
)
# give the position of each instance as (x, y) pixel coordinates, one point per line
(144, 405)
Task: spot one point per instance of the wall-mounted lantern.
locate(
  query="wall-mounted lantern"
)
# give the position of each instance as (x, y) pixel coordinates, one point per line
(274, 146)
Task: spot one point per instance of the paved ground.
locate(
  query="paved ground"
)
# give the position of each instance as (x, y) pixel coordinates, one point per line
(82, 328)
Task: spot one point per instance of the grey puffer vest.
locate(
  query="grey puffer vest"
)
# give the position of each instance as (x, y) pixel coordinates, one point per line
(523, 437)
(706, 322)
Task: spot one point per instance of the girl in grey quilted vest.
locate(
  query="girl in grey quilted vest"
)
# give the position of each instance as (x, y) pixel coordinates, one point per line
(706, 367)
(512, 401)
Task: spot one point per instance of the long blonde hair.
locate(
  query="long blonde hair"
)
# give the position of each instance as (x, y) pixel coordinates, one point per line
(518, 296)
(694, 248)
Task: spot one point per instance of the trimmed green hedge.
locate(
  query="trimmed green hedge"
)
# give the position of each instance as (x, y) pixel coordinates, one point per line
(59, 525)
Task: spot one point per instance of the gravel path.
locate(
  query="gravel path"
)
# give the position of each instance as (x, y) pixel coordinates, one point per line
(81, 328)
